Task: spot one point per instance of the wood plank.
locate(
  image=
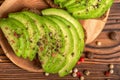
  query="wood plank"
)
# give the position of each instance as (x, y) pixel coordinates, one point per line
(105, 54)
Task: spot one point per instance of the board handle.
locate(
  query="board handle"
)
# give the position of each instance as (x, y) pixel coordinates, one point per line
(9, 6)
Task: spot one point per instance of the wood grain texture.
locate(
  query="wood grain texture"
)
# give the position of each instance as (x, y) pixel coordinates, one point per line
(108, 52)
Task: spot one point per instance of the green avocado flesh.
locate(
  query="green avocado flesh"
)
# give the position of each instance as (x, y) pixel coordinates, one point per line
(68, 17)
(73, 57)
(43, 33)
(32, 30)
(86, 9)
(55, 51)
(25, 37)
(68, 41)
(56, 36)
(15, 35)
(67, 3)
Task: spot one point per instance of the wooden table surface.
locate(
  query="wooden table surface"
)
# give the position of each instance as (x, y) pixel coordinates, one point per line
(105, 52)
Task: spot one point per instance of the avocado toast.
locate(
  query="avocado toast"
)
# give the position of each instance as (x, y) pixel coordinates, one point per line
(52, 37)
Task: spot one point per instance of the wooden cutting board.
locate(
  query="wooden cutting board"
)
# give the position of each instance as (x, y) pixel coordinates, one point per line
(106, 51)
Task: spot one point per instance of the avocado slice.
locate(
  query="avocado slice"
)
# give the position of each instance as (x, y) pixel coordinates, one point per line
(43, 31)
(32, 30)
(79, 4)
(38, 21)
(44, 34)
(14, 35)
(55, 33)
(75, 55)
(74, 22)
(86, 9)
(56, 47)
(24, 40)
(37, 25)
(74, 3)
(95, 9)
(67, 3)
(68, 17)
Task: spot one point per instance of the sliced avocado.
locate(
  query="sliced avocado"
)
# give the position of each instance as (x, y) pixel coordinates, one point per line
(68, 17)
(95, 9)
(71, 59)
(37, 25)
(55, 33)
(67, 3)
(43, 31)
(38, 21)
(67, 34)
(14, 35)
(24, 40)
(85, 9)
(76, 6)
(56, 47)
(33, 33)
(44, 35)
(81, 6)
(44, 45)
(74, 22)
